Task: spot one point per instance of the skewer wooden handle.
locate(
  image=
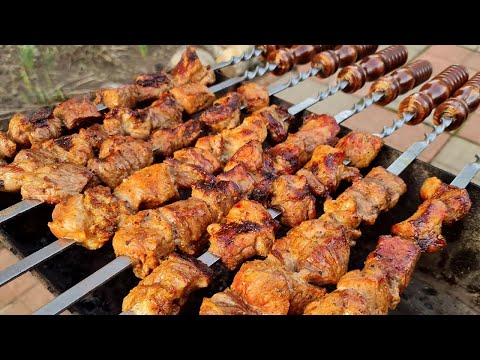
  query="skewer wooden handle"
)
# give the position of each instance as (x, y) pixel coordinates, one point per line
(464, 101)
(286, 59)
(372, 67)
(402, 80)
(329, 61)
(433, 93)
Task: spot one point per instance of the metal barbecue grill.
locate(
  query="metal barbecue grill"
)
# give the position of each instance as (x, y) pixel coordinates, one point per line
(443, 283)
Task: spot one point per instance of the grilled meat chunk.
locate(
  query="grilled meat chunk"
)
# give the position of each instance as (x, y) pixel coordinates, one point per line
(240, 177)
(292, 154)
(190, 219)
(191, 70)
(219, 196)
(292, 198)
(31, 128)
(396, 257)
(225, 303)
(146, 238)
(326, 170)
(186, 175)
(224, 113)
(360, 148)
(148, 87)
(120, 157)
(341, 302)
(8, 148)
(90, 218)
(247, 231)
(94, 136)
(76, 112)
(193, 97)
(125, 121)
(277, 120)
(165, 112)
(54, 183)
(166, 141)
(69, 148)
(318, 250)
(167, 288)
(11, 177)
(149, 187)
(256, 96)
(456, 200)
(199, 157)
(425, 226)
(267, 288)
(214, 144)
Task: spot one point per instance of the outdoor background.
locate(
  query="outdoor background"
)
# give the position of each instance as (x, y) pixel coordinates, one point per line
(39, 75)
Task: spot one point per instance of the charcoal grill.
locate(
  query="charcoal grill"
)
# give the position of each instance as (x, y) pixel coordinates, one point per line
(443, 283)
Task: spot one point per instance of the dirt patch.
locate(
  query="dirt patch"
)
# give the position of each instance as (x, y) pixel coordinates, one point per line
(37, 75)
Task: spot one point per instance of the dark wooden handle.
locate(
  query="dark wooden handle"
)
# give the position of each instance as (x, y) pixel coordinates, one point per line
(267, 49)
(464, 101)
(287, 58)
(328, 62)
(402, 80)
(433, 93)
(372, 67)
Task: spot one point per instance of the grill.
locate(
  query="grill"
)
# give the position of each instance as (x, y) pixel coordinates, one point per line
(443, 283)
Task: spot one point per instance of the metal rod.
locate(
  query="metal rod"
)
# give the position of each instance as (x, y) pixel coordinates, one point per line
(246, 55)
(467, 174)
(34, 259)
(366, 102)
(248, 75)
(413, 151)
(77, 292)
(305, 104)
(396, 124)
(18, 208)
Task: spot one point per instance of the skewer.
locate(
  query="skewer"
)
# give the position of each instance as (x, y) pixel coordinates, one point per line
(383, 301)
(70, 297)
(26, 205)
(353, 77)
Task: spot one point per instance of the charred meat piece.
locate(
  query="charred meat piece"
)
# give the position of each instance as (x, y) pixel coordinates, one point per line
(247, 231)
(90, 218)
(224, 113)
(193, 97)
(165, 112)
(292, 154)
(191, 70)
(149, 187)
(125, 121)
(8, 148)
(240, 177)
(199, 157)
(189, 219)
(256, 96)
(158, 80)
(277, 120)
(339, 302)
(318, 250)
(360, 148)
(425, 226)
(292, 198)
(457, 200)
(396, 257)
(166, 141)
(326, 170)
(77, 112)
(214, 144)
(31, 128)
(94, 136)
(225, 303)
(146, 238)
(219, 196)
(54, 183)
(69, 148)
(11, 177)
(186, 175)
(120, 157)
(167, 288)
(252, 128)
(269, 289)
